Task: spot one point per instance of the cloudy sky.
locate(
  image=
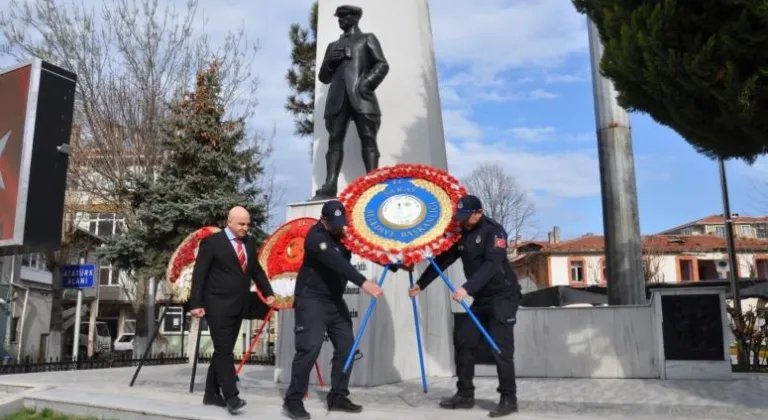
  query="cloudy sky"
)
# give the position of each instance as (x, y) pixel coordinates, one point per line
(515, 89)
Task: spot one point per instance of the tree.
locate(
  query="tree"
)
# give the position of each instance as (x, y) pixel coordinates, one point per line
(503, 199)
(210, 168)
(653, 259)
(131, 58)
(301, 75)
(698, 67)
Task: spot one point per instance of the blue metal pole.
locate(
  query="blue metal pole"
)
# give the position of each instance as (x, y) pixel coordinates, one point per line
(418, 337)
(466, 307)
(367, 317)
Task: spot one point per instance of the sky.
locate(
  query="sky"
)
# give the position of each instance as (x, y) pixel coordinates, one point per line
(515, 89)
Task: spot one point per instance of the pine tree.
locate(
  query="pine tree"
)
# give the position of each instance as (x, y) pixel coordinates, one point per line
(699, 67)
(207, 170)
(301, 75)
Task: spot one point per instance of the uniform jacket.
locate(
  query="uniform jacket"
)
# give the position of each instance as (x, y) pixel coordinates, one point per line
(483, 252)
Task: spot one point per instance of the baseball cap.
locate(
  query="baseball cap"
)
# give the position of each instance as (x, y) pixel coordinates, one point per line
(334, 213)
(466, 206)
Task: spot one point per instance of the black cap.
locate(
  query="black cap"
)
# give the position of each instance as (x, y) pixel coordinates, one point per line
(334, 214)
(348, 10)
(467, 205)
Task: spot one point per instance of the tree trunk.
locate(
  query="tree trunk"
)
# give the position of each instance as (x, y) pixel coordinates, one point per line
(141, 338)
(54, 347)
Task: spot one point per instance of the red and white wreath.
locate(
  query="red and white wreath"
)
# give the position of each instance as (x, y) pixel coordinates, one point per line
(182, 264)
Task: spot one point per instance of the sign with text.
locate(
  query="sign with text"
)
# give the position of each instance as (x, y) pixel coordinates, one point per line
(78, 276)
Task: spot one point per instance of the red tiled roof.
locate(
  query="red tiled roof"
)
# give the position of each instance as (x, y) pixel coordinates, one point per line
(718, 219)
(660, 243)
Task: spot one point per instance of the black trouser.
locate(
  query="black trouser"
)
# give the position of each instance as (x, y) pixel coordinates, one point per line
(367, 129)
(498, 315)
(221, 372)
(313, 319)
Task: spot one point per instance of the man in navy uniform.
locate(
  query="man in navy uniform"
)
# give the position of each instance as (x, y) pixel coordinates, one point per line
(319, 308)
(493, 285)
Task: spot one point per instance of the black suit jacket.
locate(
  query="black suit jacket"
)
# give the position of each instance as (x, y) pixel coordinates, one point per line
(219, 285)
(356, 76)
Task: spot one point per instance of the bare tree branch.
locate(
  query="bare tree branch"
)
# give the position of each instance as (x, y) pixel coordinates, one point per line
(653, 259)
(503, 199)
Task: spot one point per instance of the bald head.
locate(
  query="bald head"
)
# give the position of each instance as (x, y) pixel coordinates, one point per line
(238, 221)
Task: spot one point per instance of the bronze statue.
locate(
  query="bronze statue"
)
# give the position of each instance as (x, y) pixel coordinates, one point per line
(354, 66)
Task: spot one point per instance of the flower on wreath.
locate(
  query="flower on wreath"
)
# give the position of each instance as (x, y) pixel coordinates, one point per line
(182, 263)
(282, 254)
(409, 255)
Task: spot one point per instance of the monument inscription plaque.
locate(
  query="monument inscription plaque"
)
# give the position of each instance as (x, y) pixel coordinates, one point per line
(692, 327)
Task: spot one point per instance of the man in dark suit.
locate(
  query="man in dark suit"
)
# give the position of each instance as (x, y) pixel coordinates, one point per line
(354, 66)
(226, 262)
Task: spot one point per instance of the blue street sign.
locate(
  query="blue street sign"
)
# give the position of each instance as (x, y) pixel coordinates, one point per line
(78, 276)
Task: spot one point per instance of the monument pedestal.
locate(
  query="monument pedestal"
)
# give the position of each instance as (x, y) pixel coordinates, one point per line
(411, 132)
(389, 347)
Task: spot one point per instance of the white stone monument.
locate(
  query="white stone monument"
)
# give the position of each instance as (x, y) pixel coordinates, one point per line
(411, 132)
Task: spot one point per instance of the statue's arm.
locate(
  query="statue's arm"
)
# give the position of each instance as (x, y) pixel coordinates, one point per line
(380, 67)
(326, 69)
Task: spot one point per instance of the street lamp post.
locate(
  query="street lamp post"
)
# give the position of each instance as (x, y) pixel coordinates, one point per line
(733, 268)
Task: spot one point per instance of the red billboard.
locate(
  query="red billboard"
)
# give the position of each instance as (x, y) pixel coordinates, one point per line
(15, 87)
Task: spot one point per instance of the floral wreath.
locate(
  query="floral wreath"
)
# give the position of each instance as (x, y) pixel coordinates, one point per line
(447, 186)
(182, 263)
(281, 256)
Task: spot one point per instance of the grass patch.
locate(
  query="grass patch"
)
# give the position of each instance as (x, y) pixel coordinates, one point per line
(48, 414)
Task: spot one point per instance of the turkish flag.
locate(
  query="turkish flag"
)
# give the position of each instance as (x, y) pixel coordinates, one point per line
(14, 89)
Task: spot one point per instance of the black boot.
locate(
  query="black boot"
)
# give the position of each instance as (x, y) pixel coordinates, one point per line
(333, 161)
(339, 403)
(506, 407)
(370, 160)
(295, 411)
(457, 402)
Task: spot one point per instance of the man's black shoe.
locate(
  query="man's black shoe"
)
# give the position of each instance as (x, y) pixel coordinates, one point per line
(234, 404)
(343, 404)
(458, 402)
(295, 411)
(506, 407)
(216, 400)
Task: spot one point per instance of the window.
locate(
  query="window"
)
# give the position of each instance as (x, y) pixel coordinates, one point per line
(748, 231)
(686, 231)
(576, 272)
(761, 266)
(15, 329)
(762, 231)
(720, 230)
(172, 324)
(108, 275)
(687, 269)
(105, 225)
(129, 326)
(125, 338)
(34, 261)
(173, 319)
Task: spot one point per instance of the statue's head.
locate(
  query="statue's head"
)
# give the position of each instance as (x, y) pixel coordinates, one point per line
(348, 16)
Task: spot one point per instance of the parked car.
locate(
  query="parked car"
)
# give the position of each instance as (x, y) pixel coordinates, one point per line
(124, 343)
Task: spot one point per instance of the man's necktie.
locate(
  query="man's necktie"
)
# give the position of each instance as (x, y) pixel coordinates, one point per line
(240, 253)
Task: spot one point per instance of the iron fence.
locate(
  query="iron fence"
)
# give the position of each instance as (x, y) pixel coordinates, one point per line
(28, 365)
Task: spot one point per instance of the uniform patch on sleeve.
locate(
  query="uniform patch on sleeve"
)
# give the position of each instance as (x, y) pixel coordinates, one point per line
(323, 246)
(501, 243)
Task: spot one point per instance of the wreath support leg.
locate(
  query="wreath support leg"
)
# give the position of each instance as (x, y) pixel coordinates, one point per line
(149, 345)
(471, 314)
(368, 313)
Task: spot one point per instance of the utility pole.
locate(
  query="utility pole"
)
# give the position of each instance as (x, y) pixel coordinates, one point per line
(621, 224)
(733, 264)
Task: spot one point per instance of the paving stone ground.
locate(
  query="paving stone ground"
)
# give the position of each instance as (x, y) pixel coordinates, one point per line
(166, 389)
